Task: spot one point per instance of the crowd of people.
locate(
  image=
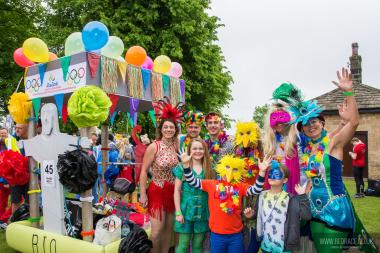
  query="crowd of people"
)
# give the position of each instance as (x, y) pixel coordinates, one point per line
(197, 188)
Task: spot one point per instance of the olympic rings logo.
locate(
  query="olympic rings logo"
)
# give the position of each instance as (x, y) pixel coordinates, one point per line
(75, 76)
(33, 84)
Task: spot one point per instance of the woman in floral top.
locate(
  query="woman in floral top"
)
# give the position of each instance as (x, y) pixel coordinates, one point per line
(190, 203)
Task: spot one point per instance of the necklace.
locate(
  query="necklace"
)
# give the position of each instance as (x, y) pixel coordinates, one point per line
(215, 145)
(250, 155)
(228, 202)
(312, 169)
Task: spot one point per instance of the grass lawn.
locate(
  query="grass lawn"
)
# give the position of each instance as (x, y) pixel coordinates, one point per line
(368, 209)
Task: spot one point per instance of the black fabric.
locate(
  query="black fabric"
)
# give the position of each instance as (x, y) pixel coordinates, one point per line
(22, 213)
(19, 191)
(77, 170)
(73, 219)
(358, 174)
(136, 242)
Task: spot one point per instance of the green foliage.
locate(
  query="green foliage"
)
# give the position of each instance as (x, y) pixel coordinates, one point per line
(18, 21)
(259, 114)
(177, 28)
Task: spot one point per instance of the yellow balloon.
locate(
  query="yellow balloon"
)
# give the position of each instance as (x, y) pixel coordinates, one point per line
(162, 64)
(35, 50)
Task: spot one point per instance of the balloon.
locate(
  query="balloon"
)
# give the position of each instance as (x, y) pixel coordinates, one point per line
(175, 70)
(148, 63)
(74, 44)
(35, 50)
(52, 56)
(162, 64)
(95, 35)
(21, 59)
(135, 55)
(114, 47)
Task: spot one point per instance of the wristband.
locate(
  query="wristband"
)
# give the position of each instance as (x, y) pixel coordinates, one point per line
(87, 233)
(34, 191)
(348, 93)
(178, 213)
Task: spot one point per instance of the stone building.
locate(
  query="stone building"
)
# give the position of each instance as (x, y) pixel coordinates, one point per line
(368, 100)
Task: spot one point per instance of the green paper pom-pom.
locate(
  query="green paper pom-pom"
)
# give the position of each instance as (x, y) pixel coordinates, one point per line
(88, 106)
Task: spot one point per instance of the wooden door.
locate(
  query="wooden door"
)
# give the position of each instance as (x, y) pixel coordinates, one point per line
(347, 161)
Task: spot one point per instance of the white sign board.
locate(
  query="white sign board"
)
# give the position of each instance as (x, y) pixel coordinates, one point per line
(53, 82)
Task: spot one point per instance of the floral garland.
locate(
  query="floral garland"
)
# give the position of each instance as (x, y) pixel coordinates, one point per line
(214, 146)
(186, 141)
(281, 145)
(228, 204)
(250, 160)
(322, 145)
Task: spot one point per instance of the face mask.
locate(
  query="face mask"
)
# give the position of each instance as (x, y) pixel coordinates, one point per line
(275, 172)
(279, 117)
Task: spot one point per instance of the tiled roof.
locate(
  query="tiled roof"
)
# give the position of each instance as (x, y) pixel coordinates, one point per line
(366, 96)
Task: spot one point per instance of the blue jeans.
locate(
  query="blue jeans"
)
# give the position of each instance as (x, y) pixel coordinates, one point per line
(231, 243)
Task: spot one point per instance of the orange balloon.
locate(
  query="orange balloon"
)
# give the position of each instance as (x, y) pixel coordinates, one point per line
(52, 56)
(135, 55)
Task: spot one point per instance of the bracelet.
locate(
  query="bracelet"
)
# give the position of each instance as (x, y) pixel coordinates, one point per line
(34, 191)
(348, 93)
(178, 213)
(87, 233)
(34, 219)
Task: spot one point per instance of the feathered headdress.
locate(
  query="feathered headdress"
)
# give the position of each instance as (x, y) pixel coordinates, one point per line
(165, 110)
(231, 168)
(301, 110)
(247, 133)
(196, 117)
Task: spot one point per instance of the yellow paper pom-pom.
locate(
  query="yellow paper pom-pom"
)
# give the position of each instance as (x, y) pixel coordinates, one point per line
(19, 107)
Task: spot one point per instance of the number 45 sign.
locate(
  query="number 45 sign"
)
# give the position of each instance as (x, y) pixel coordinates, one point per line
(48, 173)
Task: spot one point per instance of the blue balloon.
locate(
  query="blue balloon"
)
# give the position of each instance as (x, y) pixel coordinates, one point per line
(94, 35)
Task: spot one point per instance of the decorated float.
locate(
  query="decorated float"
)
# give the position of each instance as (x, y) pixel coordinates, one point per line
(90, 84)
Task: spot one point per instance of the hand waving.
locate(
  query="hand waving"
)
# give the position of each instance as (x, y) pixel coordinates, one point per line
(265, 164)
(300, 189)
(344, 80)
(185, 158)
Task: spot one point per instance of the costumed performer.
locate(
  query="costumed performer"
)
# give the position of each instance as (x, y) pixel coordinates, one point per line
(161, 155)
(191, 203)
(279, 213)
(321, 161)
(280, 141)
(225, 200)
(219, 143)
(193, 122)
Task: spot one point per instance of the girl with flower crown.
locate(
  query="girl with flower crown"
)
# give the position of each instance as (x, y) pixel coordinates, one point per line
(225, 199)
(190, 203)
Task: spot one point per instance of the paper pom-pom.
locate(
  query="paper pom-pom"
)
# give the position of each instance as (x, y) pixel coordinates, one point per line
(14, 167)
(19, 107)
(77, 170)
(88, 106)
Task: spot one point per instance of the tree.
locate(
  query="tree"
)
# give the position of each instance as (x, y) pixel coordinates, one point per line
(259, 114)
(18, 21)
(178, 28)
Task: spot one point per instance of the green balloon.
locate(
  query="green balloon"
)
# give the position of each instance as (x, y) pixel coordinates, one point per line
(114, 47)
(74, 44)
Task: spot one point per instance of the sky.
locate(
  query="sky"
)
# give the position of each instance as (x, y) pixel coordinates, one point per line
(268, 42)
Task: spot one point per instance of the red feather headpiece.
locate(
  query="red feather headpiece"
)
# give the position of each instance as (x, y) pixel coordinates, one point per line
(165, 110)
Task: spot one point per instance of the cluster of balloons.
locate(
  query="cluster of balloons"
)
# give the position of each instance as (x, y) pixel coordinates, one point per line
(33, 50)
(137, 56)
(95, 38)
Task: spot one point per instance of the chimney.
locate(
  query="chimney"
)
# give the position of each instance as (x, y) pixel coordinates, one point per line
(356, 64)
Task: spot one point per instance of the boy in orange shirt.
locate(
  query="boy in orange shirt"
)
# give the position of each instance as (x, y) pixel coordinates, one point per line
(225, 200)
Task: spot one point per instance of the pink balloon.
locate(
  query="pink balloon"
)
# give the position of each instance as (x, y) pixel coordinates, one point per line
(175, 70)
(21, 59)
(148, 63)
